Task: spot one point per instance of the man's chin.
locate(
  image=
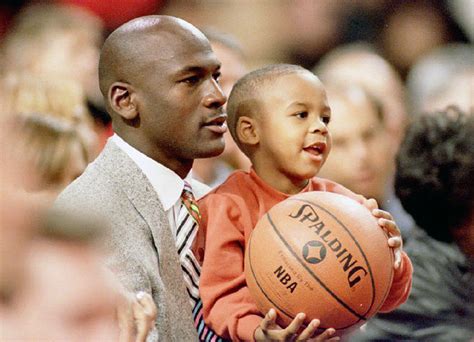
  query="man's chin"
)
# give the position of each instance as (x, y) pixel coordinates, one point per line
(211, 152)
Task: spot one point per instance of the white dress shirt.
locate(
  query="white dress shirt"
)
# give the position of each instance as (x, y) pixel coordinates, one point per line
(167, 184)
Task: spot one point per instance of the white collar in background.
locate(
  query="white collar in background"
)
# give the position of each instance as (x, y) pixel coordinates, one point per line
(167, 184)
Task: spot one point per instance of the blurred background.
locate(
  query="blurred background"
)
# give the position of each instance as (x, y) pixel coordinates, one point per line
(300, 31)
(407, 57)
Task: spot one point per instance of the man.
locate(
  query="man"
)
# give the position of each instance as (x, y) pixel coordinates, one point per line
(159, 77)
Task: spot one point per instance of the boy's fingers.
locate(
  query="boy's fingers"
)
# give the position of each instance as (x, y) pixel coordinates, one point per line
(325, 335)
(268, 320)
(389, 226)
(398, 258)
(309, 330)
(395, 242)
(295, 324)
(371, 204)
(382, 214)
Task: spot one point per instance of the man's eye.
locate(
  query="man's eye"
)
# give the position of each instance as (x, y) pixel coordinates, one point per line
(217, 76)
(302, 115)
(191, 80)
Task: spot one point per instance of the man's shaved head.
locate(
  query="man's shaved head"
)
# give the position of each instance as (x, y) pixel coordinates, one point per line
(159, 77)
(127, 50)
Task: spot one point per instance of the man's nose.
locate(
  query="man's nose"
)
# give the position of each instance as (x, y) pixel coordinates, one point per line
(215, 97)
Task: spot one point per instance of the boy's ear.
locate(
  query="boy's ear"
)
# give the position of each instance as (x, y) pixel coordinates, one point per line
(122, 99)
(247, 131)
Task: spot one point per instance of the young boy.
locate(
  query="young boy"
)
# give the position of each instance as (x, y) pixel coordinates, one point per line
(279, 118)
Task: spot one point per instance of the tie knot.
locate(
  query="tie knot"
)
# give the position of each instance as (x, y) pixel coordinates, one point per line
(187, 193)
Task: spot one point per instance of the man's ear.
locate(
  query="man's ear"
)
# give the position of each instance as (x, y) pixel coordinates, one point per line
(247, 131)
(122, 100)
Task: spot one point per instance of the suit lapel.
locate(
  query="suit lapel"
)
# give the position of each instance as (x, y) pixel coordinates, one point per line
(126, 174)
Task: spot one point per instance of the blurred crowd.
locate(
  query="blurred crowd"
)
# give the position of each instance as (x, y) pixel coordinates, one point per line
(397, 72)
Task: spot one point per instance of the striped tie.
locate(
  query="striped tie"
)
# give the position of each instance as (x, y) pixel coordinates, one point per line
(188, 224)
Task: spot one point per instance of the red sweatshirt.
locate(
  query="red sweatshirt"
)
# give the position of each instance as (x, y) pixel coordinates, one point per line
(229, 214)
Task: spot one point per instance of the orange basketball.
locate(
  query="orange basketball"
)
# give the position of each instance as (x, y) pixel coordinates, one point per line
(323, 254)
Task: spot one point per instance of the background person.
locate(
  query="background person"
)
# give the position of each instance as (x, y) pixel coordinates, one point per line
(55, 149)
(435, 183)
(361, 158)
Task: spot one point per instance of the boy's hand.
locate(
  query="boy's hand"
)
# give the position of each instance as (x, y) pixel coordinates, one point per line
(386, 222)
(270, 331)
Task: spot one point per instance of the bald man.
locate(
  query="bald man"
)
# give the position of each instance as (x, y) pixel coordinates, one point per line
(158, 76)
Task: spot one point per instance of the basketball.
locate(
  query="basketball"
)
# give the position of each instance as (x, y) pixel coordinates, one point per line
(323, 254)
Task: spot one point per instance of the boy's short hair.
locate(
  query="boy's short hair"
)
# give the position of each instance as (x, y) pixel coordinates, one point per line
(244, 99)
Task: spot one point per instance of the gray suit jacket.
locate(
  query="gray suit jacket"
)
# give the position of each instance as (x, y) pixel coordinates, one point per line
(143, 252)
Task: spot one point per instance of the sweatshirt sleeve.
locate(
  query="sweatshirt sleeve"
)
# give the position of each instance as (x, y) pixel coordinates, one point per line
(227, 304)
(401, 285)
(330, 186)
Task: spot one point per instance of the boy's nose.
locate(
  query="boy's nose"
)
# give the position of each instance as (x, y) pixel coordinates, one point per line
(319, 126)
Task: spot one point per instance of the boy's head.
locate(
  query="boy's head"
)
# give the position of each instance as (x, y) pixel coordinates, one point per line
(278, 116)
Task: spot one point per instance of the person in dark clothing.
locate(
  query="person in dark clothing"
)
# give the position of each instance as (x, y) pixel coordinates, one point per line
(435, 183)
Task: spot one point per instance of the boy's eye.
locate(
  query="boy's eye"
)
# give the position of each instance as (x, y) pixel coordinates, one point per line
(326, 119)
(302, 115)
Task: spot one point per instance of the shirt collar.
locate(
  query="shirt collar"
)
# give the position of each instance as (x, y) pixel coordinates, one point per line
(167, 184)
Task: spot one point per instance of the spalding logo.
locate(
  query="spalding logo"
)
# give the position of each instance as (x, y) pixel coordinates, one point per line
(314, 252)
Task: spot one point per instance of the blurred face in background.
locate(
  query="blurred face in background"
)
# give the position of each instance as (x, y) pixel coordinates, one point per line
(360, 158)
(366, 69)
(75, 166)
(69, 295)
(55, 150)
(233, 66)
(18, 213)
